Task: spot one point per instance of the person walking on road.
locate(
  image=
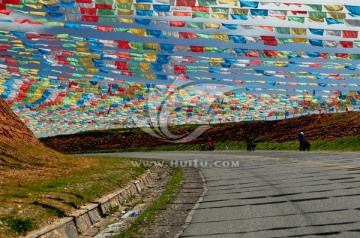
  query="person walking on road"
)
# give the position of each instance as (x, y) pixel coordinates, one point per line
(302, 141)
(250, 145)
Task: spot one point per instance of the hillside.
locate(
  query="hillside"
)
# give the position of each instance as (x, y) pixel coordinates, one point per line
(39, 185)
(316, 127)
(12, 129)
(22, 155)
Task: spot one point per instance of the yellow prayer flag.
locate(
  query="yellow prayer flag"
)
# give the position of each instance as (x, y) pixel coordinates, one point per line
(229, 2)
(43, 14)
(35, 6)
(150, 76)
(137, 31)
(120, 2)
(84, 54)
(142, 6)
(240, 11)
(280, 63)
(298, 31)
(126, 20)
(338, 15)
(212, 63)
(47, 2)
(93, 70)
(299, 40)
(222, 37)
(314, 19)
(86, 62)
(152, 46)
(217, 59)
(335, 8)
(82, 44)
(145, 67)
(95, 56)
(352, 93)
(82, 49)
(61, 36)
(150, 57)
(54, 23)
(223, 16)
(125, 12)
(212, 25)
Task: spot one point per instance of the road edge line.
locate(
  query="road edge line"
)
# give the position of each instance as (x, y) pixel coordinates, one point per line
(195, 207)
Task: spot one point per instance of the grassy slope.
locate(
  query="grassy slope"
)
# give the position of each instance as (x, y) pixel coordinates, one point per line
(319, 129)
(41, 185)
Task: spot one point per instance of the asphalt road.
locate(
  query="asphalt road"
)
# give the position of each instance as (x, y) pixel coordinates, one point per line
(273, 193)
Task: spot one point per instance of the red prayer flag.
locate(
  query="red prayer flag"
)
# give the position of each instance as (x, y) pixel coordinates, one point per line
(350, 34)
(90, 18)
(179, 69)
(186, 3)
(194, 48)
(347, 44)
(182, 14)
(177, 23)
(187, 35)
(88, 11)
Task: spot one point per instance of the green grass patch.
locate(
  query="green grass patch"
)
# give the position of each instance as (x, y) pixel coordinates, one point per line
(149, 215)
(20, 226)
(111, 210)
(338, 144)
(53, 195)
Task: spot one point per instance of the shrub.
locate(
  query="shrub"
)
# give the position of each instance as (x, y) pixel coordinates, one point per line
(21, 225)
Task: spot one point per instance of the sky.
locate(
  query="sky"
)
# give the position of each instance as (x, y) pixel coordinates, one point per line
(252, 21)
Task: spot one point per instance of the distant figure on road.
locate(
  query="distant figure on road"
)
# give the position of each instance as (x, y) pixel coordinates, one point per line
(202, 147)
(250, 145)
(302, 141)
(211, 145)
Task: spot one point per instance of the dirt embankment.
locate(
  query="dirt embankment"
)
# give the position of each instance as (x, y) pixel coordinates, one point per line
(316, 127)
(22, 156)
(12, 128)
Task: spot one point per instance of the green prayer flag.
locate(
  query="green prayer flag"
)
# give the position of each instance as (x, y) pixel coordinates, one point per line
(206, 2)
(296, 19)
(316, 7)
(317, 14)
(220, 9)
(283, 30)
(107, 20)
(200, 14)
(102, 12)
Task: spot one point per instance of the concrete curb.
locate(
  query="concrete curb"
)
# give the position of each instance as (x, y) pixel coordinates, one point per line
(82, 219)
(196, 206)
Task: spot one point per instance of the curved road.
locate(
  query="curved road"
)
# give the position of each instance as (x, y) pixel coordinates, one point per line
(273, 193)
